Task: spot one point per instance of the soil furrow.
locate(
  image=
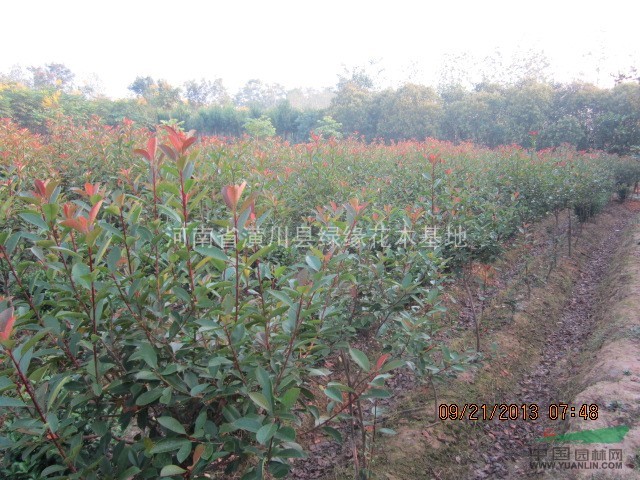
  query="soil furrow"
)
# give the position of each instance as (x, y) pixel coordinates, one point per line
(544, 385)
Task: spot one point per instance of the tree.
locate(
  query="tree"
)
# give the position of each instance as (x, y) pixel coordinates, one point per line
(413, 111)
(617, 127)
(159, 95)
(328, 128)
(363, 76)
(52, 75)
(260, 127)
(310, 98)
(206, 92)
(165, 95)
(284, 118)
(141, 86)
(260, 95)
(92, 87)
(352, 107)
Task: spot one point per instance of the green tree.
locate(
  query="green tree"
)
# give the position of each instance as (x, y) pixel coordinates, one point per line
(617, 128)
(284, 119)
(352, 107)
(260, 127)
(328, 128)
(412, 111)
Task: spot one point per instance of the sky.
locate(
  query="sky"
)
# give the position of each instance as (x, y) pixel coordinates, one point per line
(308, 43)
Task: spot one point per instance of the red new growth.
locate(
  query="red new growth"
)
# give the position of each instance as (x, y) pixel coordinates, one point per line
(150, 152)
(83, 224)
(7, 319)
(383, 358)
(231, 195)
(179, 140)
(41, 188)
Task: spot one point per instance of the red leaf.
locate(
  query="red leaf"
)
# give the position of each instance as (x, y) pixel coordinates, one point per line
(383, 358)
(168, 151)
(142, 152)
(69, 210)
(7, 319)
(152, 147)
(94, 212)
(188, 142)
(174, 138)
(231, 195)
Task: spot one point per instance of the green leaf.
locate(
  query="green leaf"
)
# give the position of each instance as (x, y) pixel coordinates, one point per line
(53, 422)
(53, 469)
(261, 253)
(260, 400)
(333, 393)
(290, 397)
(360, 358)
(129, 473)
(148, 397)
(377, 393)
(287, 434)
(333, 433)
(392, 365)
(103, 249)
(290, 453)
(183, 453)
(34, 219)
(147, 353)
(213, 252)
(314, 262)
(6, 383)
(283, 297)
(54, 393)
(169, 445)
(169, 212)
(172, 424)
(266, 432)
(81, 274)
(12, 242)
(248, 424)
(265, 382)
(11, 402)
(278, 469)
(169, 470)
(113, 258)
(182, 294)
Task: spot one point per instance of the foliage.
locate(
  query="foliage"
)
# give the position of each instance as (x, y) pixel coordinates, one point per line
(259, 127)
(491, 113)
(136, 344)
(327, 127)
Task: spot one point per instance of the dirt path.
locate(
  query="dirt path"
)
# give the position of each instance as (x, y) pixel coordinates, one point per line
(509, 456)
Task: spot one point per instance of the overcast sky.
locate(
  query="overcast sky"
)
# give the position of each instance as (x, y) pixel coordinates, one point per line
(306, 43)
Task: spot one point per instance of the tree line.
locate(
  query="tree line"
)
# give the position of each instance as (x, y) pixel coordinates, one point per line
(488, 113)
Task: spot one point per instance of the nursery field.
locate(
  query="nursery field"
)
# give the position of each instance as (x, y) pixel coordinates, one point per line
(178, 306)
